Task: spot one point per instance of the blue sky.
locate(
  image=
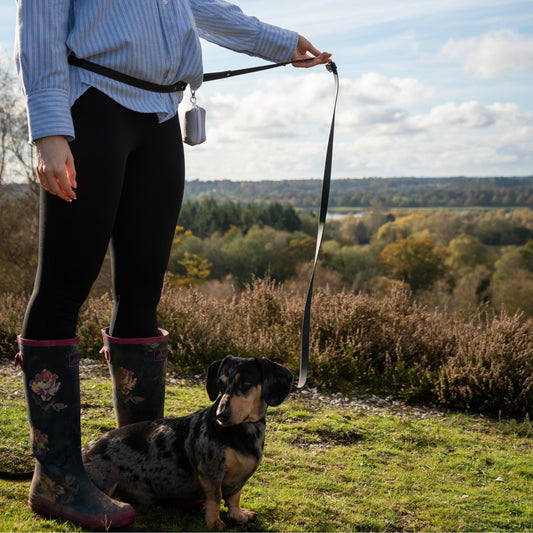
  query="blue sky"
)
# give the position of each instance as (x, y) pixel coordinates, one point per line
(428, 88)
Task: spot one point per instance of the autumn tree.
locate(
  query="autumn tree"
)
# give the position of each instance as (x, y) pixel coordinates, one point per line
(466, 251)
(512, 262)
(417, 262)
(187, 269)
(401, 228)
(497, 229)
(515, 294)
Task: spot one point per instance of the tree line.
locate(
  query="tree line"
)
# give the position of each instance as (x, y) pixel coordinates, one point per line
(446, 258)
(365, 192)
(205, 217)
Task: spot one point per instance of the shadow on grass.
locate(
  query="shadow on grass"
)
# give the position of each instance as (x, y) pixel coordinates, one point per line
(169, 518)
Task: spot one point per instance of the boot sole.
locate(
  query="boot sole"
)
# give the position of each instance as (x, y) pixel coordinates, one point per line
(104, 522)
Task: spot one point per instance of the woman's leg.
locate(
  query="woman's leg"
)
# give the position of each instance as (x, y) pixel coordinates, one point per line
(74, 236)
(145, 226)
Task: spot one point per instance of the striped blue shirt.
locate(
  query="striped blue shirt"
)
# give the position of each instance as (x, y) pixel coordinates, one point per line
(154, 40)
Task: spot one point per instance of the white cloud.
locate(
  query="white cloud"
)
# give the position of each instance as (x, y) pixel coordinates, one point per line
(450, 139)
(470, 115)
(372, 88)
(378, 103)
(491, 55)
(434, 154)
(294, 107)
(279, 130)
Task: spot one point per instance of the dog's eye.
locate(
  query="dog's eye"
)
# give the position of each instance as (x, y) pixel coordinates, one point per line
(222, 384)
(245, 386)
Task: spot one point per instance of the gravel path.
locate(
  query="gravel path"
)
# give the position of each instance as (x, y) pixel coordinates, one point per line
(368, 404)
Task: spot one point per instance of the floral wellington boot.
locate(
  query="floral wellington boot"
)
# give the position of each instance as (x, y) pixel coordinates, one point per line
(138, 370)
(60, 487)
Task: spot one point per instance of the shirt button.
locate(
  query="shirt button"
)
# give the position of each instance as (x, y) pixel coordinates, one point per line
(165, 2)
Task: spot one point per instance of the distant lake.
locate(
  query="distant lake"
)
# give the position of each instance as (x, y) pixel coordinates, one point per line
(337, 216)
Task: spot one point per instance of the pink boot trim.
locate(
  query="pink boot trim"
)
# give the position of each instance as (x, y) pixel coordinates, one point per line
(139, 340)
(47, 344)
(19, 358)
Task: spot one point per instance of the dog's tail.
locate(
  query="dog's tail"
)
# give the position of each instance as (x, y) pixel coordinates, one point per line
(16, 476)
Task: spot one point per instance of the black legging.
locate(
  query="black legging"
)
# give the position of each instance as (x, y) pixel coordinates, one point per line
(130, 175)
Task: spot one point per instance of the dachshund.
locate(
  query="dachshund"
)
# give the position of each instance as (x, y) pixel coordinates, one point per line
(205, 456)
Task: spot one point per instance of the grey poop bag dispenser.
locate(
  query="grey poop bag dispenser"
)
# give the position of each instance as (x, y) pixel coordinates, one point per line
(194, 125)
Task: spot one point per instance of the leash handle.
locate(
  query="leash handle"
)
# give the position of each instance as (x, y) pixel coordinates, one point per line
(306, 325)
(211, 76)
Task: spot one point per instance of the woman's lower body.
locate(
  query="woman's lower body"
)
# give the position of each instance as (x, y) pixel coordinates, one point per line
(130, 176)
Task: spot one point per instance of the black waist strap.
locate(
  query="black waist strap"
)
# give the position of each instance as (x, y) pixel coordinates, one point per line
(125, 78)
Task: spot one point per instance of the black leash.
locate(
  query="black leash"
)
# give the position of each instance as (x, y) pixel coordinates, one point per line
(180, 86)
(326, 181)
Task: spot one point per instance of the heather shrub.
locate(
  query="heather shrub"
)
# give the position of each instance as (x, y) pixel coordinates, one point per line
(95, 314)
(259, 322)
(491, 369)
(388, 345)
(266, 322)
(12, 309)
(393, 344)
(196, 326)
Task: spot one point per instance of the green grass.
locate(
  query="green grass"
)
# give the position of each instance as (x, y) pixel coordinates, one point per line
(325, 468)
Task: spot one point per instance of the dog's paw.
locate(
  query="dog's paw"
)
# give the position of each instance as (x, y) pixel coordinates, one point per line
(216, 523)
(241, 516)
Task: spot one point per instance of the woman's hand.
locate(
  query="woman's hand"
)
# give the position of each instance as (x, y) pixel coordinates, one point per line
(303, 50)
(55, 166)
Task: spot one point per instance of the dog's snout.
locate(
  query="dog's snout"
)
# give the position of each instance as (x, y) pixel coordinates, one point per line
(223, 416)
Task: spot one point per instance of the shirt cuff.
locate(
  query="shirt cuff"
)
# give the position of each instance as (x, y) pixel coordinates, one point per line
(49, 114)
(276, 44)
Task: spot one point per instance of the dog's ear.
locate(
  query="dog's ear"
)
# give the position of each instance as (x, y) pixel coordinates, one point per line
(212, 380)
(277, 382)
